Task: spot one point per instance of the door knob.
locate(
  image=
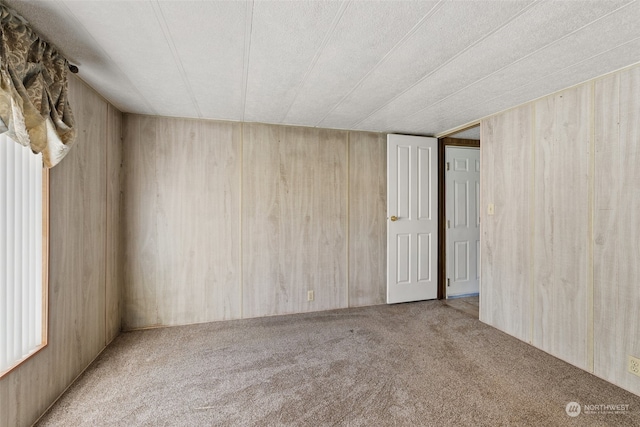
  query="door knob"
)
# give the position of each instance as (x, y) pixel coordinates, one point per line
(393, 218)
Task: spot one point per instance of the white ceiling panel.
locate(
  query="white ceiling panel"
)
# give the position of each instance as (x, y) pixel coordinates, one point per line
(471, 133)
(366, 32)
(449, 116)
(520, 56)
(419, 67)
(452, 29)
(209, 38)
(285, 39)
(574, 56)
(614, 59)
(138, 45)
(600, 36)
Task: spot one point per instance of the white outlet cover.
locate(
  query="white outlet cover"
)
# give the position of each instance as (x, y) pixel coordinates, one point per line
(634, 365)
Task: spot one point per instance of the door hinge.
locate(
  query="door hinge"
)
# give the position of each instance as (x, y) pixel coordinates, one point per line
(448, 165)
(448, 282)
(448, 224)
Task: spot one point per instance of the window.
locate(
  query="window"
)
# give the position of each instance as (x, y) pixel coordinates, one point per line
(23, 253)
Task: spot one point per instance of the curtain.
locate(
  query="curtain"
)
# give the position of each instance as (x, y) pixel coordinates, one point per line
(34, 104)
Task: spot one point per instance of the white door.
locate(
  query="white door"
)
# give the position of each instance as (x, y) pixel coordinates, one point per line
(412, 218)
(462, 205)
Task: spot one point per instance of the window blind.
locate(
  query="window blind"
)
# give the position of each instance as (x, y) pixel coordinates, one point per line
(21, 242)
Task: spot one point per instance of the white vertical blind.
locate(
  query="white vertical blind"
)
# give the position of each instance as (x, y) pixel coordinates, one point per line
(21, 282)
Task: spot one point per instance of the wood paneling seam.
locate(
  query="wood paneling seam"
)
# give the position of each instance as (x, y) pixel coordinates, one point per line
(157, 211)
(591, 213)
(348, 206)
(106, 223)
(240, 244)
(532, 223)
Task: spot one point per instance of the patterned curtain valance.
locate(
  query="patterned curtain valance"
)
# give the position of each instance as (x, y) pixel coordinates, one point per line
(34, 104)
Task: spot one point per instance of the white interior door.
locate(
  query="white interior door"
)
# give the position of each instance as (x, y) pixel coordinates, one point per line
(412, 218)
(462, 205)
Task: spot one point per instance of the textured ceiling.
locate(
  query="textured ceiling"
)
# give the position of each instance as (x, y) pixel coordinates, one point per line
(418, 67)
(471, 133)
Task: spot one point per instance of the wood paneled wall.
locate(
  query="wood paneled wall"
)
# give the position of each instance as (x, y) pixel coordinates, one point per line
(562, 147)
(505, 300)
(114, 258)
(181, 221)
(579, 148)
(294, 219)
(229, 220)
(83, 278)
(367, 219)
(616, 226)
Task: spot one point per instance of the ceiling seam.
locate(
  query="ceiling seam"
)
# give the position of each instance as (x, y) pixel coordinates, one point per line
(395, 47)
(115, 64)
(517, 15)
(551, 74)
(336, 19)
(157, 9)
(523, 58)
(248, 29)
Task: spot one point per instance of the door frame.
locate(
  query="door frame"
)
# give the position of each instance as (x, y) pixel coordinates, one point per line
(442, 242)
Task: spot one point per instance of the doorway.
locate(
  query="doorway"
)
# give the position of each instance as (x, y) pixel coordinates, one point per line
(460, 219)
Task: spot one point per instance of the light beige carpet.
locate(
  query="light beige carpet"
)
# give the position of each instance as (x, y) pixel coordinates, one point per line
(418, 364)
(470, 305)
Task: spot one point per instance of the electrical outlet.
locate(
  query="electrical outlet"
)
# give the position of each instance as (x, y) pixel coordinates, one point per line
(309, 295)
(634, 365)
